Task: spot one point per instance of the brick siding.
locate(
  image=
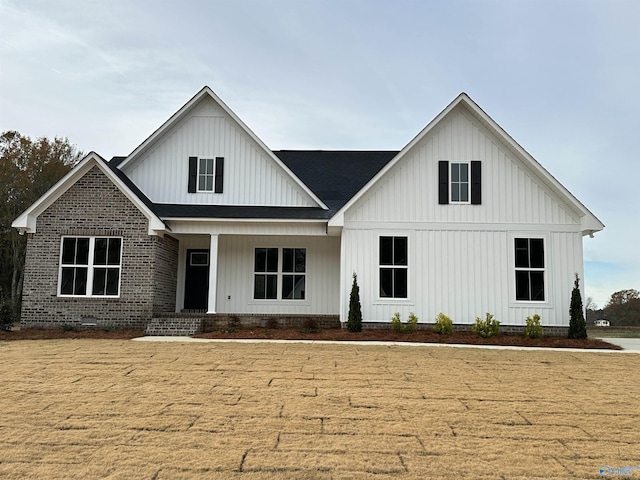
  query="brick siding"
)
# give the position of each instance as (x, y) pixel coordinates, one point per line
(95, 206)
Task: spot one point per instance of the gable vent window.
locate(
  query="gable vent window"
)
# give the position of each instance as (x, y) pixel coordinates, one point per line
(206, 174)
(460, 182)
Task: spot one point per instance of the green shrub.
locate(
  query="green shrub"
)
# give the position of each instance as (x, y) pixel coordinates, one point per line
(66, 327)
(6, 315)
(354, 321)
(533, 329)
(408, 327)
(443, 325)
(233, 325)
(488, 327)
(309, 325)
(577, 324)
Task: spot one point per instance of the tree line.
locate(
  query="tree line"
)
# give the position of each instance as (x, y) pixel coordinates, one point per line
(28, 168)
(622, 309)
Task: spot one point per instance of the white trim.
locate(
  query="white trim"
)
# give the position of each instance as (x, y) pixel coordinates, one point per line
(90, 266)
(213, 175)
(464, 226)
(408, 300)
(451, 200)
(188, 107)
(27, 221)
(589, 222)
(548, 270)
(279, 246)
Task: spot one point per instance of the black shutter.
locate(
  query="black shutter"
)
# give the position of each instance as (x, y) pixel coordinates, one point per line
(219, 174)
(193, 174)
(443, 182)
(476, 182)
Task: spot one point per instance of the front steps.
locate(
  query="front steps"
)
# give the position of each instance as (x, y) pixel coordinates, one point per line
(174, 326)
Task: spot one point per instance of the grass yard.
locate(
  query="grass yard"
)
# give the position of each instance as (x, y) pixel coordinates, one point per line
(129, 410)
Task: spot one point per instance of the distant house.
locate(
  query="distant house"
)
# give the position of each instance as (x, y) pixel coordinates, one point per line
(204, 217)
(602, 323)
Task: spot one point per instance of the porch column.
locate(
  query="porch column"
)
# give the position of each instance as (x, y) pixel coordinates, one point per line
(213, 274)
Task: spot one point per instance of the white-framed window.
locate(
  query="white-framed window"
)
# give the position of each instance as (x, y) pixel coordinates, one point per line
(279, 273)
(529, 260)
(459, 185)
(393, 265)
(206, 174)
(90, 266)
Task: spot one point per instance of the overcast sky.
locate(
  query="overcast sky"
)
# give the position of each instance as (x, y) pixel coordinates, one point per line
(562, 77)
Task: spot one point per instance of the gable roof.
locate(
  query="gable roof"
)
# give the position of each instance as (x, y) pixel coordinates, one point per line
(334, 176)
(204, 93)
(27, 221)
(589, 222)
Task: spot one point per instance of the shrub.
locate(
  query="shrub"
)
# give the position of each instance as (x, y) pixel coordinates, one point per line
(6, 315)
(577, 324)
(66, 327)
(354, 322)
(233, 325)
(443, 325)
(488, 327)
(533, 329)
(272, 323)
(400, 327)
(309, 325)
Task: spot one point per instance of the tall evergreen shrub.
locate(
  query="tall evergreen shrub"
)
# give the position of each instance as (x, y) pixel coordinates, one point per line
(354, 323)
(577, 324)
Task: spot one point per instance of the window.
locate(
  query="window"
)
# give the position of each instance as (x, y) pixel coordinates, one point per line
(90, 266)
(529, 269)
(393, 267)
(460, 183)
(285, 267)
(293, 273)
(206, 174)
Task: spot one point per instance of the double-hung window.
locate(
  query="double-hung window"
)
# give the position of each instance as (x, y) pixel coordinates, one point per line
(206, 175)
(90, 266)
(393, 265)
(279, 273)
(459, 182)
(529, 269)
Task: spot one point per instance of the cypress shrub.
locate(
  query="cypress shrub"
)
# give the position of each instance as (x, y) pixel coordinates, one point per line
(577, 323)
(354, 322)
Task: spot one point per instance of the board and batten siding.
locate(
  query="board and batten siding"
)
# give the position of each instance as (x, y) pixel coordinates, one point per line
(251, 177)
(236, 270)
(511, 193)
(463, 274)
(461, 255)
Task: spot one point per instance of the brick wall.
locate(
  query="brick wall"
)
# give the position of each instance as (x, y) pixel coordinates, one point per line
(94, 206)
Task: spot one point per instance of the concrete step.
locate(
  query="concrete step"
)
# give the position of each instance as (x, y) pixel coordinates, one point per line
(174, 327)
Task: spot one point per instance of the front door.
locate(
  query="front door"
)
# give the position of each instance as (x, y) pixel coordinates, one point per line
(196, 285)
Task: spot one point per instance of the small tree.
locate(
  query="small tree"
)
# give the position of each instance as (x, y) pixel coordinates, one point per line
(577, 324)
(354, 323)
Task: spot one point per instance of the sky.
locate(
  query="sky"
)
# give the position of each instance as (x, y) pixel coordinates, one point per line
(561, 77)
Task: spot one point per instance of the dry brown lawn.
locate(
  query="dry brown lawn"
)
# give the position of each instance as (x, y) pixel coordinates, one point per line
(130, 410)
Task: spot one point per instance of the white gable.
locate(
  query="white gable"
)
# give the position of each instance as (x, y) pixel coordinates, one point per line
(207, 129)
(511, 192)
(516, 189)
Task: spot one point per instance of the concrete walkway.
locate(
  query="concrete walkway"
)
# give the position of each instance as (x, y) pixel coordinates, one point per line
(629, 346)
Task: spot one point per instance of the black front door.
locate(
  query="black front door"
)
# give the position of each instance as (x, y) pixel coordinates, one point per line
(196, 285)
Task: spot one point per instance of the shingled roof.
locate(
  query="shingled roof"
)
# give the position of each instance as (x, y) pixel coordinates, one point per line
(334, 176)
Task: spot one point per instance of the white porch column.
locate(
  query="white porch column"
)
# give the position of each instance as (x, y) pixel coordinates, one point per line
(213, 274)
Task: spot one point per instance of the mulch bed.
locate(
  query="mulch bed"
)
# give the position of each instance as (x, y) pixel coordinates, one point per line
(336, 334)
